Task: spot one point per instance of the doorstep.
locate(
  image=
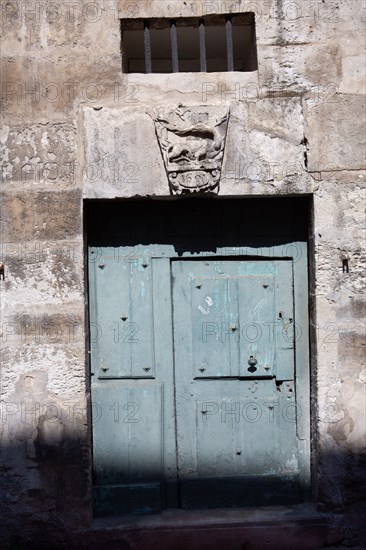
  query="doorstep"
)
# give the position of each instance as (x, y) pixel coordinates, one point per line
(297, 527)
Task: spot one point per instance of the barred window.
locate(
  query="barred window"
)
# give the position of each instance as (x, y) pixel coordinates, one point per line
(209, 44)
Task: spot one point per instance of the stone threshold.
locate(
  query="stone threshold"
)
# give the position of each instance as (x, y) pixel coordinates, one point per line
(298, 527)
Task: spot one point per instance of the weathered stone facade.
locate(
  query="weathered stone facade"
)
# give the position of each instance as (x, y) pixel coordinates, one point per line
(75, 127)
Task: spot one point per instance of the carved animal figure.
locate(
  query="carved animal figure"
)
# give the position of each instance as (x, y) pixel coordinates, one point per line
(197, 143)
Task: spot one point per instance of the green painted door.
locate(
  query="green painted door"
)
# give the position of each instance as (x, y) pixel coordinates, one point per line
(235, 382)
(198, 357)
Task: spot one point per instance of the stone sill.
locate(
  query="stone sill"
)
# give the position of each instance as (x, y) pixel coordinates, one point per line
(205, 87)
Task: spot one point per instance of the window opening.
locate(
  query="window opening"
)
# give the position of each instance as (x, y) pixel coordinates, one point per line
(209, 44)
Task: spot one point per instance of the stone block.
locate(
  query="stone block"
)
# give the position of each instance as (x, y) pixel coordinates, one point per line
(84, 26)
(300, 67)
(39, 156)
(61, 83)
(335, 133)
(123, 157)
(41, 216)
(264, 144)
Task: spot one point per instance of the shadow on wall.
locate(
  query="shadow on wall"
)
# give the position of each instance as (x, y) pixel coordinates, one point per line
(45, 485)
(45, 505)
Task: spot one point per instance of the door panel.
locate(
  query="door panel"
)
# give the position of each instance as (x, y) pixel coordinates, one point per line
(128, 454)
(242, 312)
(235, 421)
(123, 343)
(213, 300)
(128, 432)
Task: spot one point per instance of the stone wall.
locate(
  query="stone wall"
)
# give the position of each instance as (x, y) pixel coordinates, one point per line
(73, 127)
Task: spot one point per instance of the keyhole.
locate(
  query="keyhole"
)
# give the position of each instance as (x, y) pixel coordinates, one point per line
(252, 364)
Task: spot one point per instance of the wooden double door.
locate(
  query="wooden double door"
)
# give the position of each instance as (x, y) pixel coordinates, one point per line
(199, 372)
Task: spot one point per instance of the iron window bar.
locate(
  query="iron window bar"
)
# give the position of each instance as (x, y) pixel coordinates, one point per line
(203, 57)
(147, 47)
(229, 44)
(174, 42)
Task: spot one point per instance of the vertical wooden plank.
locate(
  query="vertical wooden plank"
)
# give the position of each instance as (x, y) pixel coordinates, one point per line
(93, 311)
(301, 292)
(285, 321)
(139, 333)
(163, 323)
(256, 314)
(183, 355)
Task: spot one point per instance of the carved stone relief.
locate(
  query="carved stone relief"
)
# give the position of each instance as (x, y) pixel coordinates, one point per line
(192, 142)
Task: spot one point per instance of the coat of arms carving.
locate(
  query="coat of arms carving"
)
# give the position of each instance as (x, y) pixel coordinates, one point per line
(192, 143)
